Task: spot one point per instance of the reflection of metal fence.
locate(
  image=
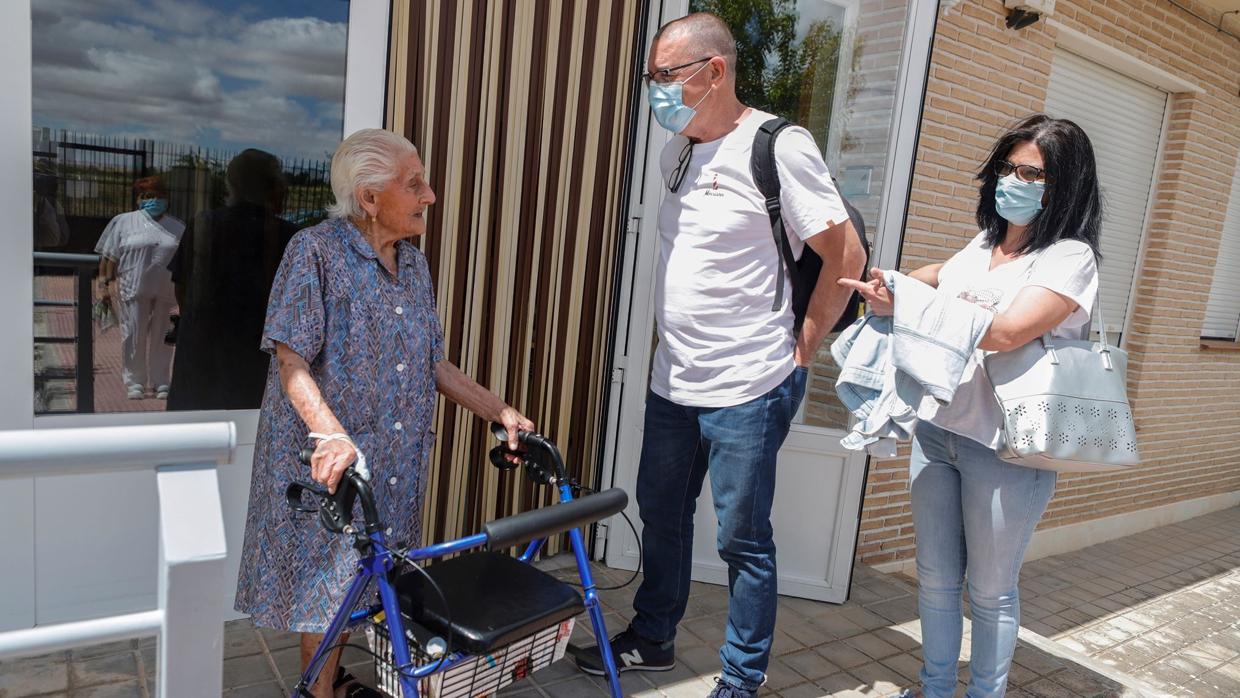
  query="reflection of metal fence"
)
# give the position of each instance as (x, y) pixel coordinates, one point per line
(84, 266)
(93, 175)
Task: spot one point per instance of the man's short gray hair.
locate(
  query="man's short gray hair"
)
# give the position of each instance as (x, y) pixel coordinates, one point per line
(703, 34)
(367, 159)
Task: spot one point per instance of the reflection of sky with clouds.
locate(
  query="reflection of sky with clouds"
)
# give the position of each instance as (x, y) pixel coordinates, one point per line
(222, 74)
(811, 11)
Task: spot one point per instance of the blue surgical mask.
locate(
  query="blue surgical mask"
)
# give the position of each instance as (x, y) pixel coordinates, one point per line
(1018, 201)
(154, 207)
(667, 101)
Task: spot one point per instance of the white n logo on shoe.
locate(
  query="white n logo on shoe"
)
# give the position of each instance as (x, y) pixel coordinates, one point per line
(632, 657)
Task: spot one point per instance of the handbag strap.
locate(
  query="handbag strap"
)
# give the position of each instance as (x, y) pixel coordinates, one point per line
(1102, 323)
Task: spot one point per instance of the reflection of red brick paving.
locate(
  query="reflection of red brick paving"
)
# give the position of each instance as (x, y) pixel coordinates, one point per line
(60, 322)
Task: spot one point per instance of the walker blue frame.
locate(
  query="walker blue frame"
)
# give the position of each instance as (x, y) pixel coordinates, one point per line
(376, 562)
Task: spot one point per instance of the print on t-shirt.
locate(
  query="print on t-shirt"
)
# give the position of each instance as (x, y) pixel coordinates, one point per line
(988, 298)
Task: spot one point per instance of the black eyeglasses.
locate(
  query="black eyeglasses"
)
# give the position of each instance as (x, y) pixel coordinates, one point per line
(1025, 173)
(682, 167)
(663, 75)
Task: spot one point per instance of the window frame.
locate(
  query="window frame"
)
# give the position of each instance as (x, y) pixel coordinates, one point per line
(16, 268)
(1231, 216)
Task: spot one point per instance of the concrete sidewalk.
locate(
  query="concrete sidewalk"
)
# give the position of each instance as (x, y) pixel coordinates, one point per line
(1153, 614)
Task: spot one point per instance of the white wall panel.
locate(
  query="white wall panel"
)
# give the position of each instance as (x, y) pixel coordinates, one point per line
(815, 518)
(97, 540)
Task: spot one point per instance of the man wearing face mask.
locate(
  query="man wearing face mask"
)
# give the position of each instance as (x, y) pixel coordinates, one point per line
(729, 372)
(134, 250)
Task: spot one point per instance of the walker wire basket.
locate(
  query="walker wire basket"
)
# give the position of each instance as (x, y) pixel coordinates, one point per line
(481, 675)
(507, 619)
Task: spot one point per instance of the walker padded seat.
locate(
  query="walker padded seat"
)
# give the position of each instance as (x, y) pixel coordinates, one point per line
(494, 600)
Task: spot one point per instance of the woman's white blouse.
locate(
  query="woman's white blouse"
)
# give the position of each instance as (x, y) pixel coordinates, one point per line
(1067, 267)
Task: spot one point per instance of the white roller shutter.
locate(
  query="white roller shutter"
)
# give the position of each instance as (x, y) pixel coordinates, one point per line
(1123, 119)
(1223, 310)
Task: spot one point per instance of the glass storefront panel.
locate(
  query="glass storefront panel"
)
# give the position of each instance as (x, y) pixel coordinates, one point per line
(178, 145)
(830, 66)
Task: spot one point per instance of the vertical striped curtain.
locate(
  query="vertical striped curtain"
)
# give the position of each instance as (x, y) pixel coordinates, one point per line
(521, 112)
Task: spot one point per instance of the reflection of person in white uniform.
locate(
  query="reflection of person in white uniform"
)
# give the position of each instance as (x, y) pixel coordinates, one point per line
(136, 248)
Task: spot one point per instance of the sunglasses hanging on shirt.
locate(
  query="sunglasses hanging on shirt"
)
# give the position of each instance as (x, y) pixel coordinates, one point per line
(682, 167)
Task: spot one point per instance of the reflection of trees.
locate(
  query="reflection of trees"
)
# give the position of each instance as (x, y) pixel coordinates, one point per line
(775, 72)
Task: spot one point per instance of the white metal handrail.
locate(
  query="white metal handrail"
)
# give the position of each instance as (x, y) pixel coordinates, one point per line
(193, 593)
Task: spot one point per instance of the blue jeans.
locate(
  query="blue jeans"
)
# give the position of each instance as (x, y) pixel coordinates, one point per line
(973, 515)
(737, 446)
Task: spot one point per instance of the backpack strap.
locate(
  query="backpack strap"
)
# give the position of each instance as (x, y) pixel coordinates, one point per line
(766, 176)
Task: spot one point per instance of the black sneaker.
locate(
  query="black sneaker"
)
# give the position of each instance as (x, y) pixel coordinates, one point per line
(632, 653)
(723, 689)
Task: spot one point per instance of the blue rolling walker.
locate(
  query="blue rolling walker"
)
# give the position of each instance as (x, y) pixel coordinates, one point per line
(470, 625)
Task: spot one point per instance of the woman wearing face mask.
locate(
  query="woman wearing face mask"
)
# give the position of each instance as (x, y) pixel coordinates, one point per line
(1034, 266)
(135, 250)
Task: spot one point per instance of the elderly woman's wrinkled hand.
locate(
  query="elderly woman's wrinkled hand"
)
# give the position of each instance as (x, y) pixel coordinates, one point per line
(514, 422)
(878, 299)
(330, 460)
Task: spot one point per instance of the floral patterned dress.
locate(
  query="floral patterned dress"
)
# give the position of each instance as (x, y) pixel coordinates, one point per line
(372, 340)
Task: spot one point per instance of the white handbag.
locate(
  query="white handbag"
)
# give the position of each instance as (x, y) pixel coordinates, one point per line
(1065, 404)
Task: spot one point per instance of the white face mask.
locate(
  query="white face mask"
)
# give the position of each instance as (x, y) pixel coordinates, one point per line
(1018, 201)
(667, 102)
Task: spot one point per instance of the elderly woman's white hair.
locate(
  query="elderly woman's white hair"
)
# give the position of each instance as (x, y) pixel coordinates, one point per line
(367, 159)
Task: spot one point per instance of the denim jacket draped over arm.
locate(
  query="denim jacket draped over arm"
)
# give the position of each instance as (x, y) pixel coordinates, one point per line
(896, 370)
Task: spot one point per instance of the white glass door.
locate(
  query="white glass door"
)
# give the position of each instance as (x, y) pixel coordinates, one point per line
(848, 72)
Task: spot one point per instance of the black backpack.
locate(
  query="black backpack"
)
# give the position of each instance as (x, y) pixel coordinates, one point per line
(804, 272)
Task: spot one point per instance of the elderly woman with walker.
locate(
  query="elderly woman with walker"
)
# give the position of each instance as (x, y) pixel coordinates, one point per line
(358, 361)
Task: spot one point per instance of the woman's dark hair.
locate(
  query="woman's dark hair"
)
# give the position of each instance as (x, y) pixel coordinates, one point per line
(1073, 209)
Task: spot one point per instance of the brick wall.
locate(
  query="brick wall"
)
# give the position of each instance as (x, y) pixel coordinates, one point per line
(984, 76)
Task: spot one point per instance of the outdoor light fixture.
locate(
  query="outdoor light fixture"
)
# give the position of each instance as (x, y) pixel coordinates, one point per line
(1019, 19)
(1026, 12)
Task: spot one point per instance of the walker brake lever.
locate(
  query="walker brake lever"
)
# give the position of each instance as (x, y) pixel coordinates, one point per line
(501, 456)
(335, 510)
(296, 502)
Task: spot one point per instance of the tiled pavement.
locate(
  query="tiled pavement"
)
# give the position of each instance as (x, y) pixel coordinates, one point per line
(1156, 612)
(1163, 605)
(869, 646)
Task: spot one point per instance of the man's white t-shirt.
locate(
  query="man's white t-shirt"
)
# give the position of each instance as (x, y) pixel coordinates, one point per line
(142, 248)
(1067, 267)
(720, 343)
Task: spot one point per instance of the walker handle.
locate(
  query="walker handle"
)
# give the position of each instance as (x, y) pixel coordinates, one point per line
(548, 521)
(536, 442)
(336, 510)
